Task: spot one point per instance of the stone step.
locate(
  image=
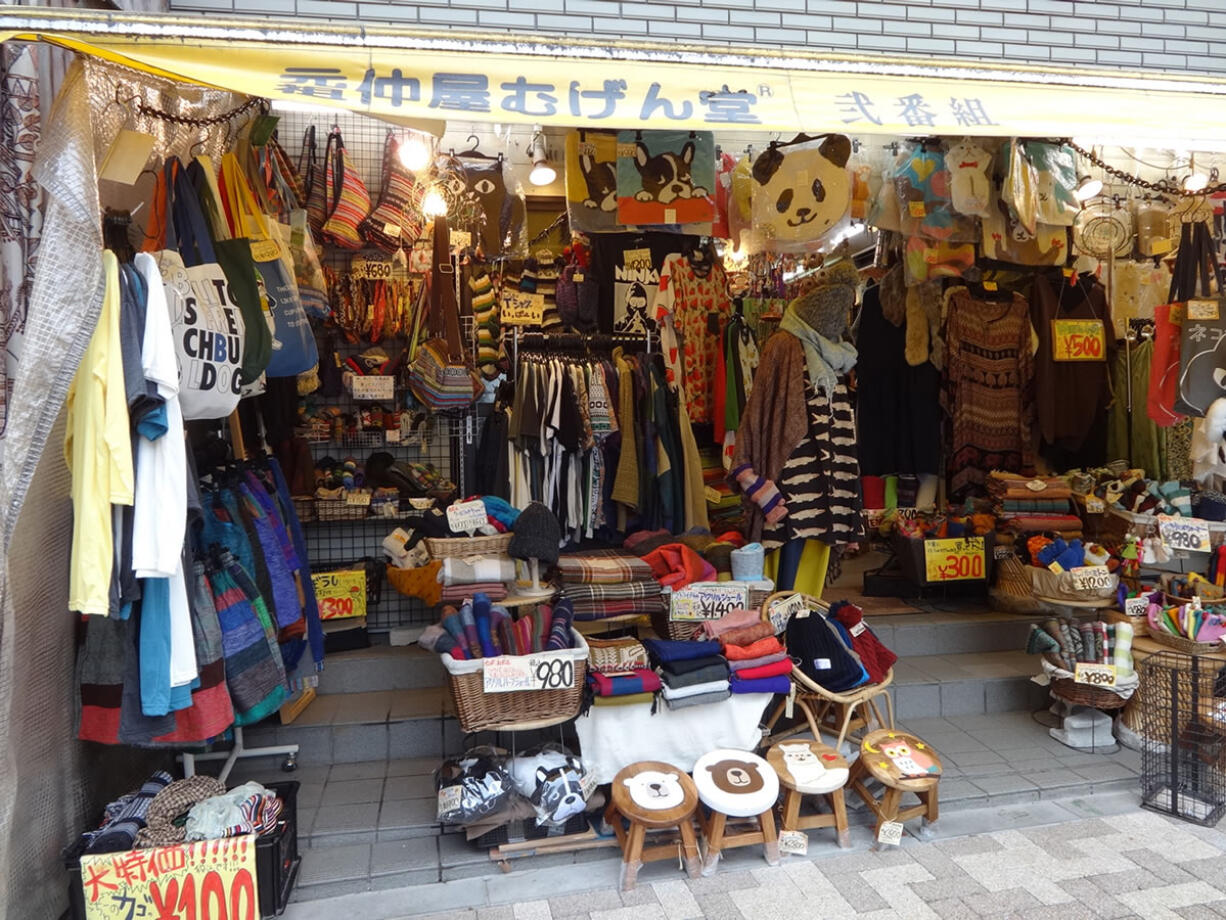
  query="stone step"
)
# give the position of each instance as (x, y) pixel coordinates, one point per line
(975, 683)
(951, 633)
(381, 667)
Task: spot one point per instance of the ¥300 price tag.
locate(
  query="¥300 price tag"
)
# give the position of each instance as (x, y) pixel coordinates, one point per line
(1096, 675)
(1189, 534)
(1090, 577)
(958, 559)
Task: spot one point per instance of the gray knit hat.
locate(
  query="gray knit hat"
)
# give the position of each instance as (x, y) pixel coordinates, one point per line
(826, 307)
(536, 535)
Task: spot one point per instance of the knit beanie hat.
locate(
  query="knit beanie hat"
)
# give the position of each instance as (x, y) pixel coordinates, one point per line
(536, 535)
(876, 658)
(826, 308)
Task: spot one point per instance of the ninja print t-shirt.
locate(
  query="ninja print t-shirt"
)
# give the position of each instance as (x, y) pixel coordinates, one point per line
(627, 268)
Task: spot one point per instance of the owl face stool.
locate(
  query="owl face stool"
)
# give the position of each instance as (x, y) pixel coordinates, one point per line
(900, 762)
(810, 768)
(736, 784)
(653, 796)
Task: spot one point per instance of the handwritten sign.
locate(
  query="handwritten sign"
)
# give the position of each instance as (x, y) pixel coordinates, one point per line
(522, 309)
(890, 833)
(340, 594)
(509, 673)
(1095, 505)
(1136, 606)
(466, 517)
(358, 497)
(708, 600)
(794, 842)
(1189, 534)
(208, 878)
(1091, 578)
(958, 559)
(371, 269)
(1203, 309)
(1078, 340)
(449, 800)
(376, 387)
(782, 611)
(1094, 674)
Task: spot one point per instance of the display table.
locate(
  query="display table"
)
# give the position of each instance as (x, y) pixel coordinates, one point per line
(613, 737)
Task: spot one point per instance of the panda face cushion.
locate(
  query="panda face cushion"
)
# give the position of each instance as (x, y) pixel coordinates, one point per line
(655, 791)
(801, 191)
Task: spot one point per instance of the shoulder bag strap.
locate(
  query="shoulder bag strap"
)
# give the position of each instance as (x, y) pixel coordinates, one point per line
(195, 244)
(444, 309)
(308, 159)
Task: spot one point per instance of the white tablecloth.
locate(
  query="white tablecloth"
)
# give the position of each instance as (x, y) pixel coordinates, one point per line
(612, 737)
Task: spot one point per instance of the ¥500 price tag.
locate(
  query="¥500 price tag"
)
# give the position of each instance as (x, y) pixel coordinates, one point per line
(1189, 534)
(1096, 675)
(1078, 340)
(959, 559)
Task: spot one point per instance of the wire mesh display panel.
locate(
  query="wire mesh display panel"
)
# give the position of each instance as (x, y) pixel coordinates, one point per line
(1183, 727)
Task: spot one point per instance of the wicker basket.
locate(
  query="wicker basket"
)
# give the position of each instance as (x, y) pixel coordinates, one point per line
(304, 507)
(480, 711)
(1180, 644)
(1140, 625)
(332, 510)
(460, 547)
(673, 629)
(1076, 694)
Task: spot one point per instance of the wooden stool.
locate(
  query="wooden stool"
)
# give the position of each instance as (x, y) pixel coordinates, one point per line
(902, 763)
(652, 796)
(736, 784)
(811, 768)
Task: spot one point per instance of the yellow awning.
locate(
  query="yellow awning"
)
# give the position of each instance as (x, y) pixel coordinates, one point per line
(406, 74)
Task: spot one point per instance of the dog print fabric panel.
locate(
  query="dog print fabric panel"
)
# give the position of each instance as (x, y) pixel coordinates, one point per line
(665, 177)
(801, 191)
(591, 181)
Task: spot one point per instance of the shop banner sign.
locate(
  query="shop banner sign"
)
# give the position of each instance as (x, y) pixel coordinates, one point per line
(1181, 533)
(209, 878)
(1094, 674)
(340, 594)
(708, 600)
(957, 559)
(509, 673)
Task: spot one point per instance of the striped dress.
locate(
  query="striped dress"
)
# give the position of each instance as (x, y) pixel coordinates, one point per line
(820, 482)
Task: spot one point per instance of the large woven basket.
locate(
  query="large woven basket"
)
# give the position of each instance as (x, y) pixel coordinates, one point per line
(480, 711)
(459, 547)
(673, 629)
(304, 507)
(333, 510)
(1180, 644)
(1077, 694)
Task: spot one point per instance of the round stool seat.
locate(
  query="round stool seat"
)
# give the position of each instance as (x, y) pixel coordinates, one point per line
(808, 766)
(736, 783)
(654, 794)
(900, 760)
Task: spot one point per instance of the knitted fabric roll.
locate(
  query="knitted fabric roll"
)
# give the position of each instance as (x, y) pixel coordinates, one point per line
(768, 646)
(760, 685)
(717, 670)
(747, 635)
(715, 696)
(481, 613)
(472, 640)
(738, 666)
(775, 669)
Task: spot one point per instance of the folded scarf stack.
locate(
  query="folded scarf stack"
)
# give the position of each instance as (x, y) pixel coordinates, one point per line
(758, 665)
(692, 673)
(481, 629)
(608, 583)
(637, 686)
(477, 571)
(676, 565)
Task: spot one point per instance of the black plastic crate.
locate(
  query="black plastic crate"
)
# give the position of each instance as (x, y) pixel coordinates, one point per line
(276, 860)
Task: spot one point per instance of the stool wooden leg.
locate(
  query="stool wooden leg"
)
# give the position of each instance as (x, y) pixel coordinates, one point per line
(931, 814)
(839, 807)
(770, 839)
(632, 856)
(791, 809)
(689, 848)
(613, 818)
(889, 808)
(714, 832)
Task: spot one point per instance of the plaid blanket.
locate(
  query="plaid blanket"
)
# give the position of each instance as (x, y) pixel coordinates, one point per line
(623, 591)
(605, 609)
(603, 567)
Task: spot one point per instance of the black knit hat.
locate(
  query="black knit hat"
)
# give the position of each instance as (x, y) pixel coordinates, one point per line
(536, 534)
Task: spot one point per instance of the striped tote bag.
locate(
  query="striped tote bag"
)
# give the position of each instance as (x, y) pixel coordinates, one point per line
(348, 199)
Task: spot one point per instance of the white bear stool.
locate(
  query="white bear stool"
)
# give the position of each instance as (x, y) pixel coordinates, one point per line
(810, 768)
(736, 784)
(652, 796)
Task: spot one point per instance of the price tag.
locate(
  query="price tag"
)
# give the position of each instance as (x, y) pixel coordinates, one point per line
(1176, 315)
(1190, 534)
(577, 277)
(449, 798)
(708, 600)
(265, 251)
(376, 387)
(1096, 675)
(858, 629)
(1001, 552)
(637, 258)
(370, 269)
(1136, 606)
(1078, 340)
(460, 239)
(990, 286)
(890, 833)
(782, 611)
(509, 673)
(959, 559)
(392, 435)
(392, 230)
(1036, 485)
(357, 497)
(466, 517)
(340, 594)
(917, 209)
(670, 215)
(795, 843)
(1095, 505)
(1159, 245)
(1202, 309)
(522, 309)
(1090, 577)
(587, 785)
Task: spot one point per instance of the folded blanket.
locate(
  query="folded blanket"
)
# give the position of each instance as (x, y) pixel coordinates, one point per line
(687, 665)
(640, 680)
(680, 693)
(747, 635)
(622, 591)
(478, 570)
(628, 700)
(737, 666)
(675, 565)
(603, 567)
(716, 670)
(715, 696)
(774, 669)
(768, 646)
(733, 619)
(663, 651)
(760, 685)
(454, 594)
(1041, 505)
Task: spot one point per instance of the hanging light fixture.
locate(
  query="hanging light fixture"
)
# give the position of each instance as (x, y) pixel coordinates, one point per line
(1087, 188)
(1196, 181)
(434, 204)
(415, 152)
(543, 172)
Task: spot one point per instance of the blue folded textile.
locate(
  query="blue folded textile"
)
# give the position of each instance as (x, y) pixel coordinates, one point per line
(780, 684)
(663, 651)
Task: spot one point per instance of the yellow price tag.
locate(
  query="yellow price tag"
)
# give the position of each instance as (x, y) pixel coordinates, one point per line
(917, 209)
(1078, 340)
(340, 594)
(958, 559)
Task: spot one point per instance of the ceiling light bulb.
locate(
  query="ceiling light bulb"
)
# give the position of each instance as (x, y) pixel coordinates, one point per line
(415, 153)
(1196, 182)
(1087, 188)
(543, 172)
(434, 204)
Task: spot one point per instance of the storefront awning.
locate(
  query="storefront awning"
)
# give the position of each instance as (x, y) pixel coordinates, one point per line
(406, 74)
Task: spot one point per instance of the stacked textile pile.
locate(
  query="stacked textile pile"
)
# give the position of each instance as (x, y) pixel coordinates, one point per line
(608, 583)
(637, 685)
(465, 578)
(723, 502)
(1033, 504)
(757, 659)
(692, 673)
(481, 629)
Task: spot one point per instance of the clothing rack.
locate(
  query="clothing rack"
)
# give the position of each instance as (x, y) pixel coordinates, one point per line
(576, 341)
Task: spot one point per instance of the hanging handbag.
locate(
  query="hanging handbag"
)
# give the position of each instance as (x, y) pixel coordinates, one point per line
(208, 326)
(346, 195)
(293, 349)
(314, 192)
(440, 376)
(1202, 339)
(397, 220)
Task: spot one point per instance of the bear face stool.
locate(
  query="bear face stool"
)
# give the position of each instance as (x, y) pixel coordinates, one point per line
(810, 768)
(652, 796)
(902, 763)
(736, 784)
